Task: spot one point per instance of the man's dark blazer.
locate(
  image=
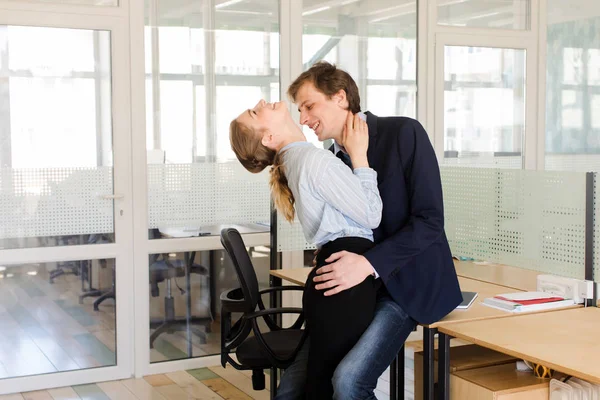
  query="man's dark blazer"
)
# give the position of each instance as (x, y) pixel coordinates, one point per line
(412, 255)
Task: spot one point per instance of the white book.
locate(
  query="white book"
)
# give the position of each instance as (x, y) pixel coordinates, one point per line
(514, 307)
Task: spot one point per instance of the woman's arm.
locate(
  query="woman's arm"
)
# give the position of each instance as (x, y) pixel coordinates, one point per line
(354, 194)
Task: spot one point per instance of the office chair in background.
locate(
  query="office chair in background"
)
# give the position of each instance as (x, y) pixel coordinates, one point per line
(164, 269)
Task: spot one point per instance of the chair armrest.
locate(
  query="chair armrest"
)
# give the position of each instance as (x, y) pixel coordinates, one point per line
(281, 288)
(266, 314)
(268, 320)
(233, 300)
(271, 356)
(283, 310)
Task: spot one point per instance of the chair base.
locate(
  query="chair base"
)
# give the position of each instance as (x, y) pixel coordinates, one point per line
(180, 325)
(90, 293)
(107, 295)
(63, 270)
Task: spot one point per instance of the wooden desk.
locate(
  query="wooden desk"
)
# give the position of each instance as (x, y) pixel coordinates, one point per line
(294, 275)
(498, 274)
(477, 311)
(565, 340)
(511, 278)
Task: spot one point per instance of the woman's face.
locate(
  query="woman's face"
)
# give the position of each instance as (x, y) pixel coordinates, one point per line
(265, 117)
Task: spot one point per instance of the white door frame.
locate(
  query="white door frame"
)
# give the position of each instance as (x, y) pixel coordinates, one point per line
(113, 19)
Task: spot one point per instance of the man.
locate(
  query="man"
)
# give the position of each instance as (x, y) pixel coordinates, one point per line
(411, 258)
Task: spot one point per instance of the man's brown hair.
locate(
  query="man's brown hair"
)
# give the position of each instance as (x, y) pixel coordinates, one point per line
(328, 79)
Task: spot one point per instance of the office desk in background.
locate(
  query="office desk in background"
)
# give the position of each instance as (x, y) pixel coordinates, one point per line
(215, 230)
(476, 312)
(498, 274)
(564, 340)
(208, 238)
(189, 240)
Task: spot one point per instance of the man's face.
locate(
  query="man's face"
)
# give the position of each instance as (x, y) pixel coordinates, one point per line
(324, 116)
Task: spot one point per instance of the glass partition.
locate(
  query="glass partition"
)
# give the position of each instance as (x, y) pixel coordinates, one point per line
(573, 94)
(49, 325)
(375, 43)
(56, 147)
(205, 65)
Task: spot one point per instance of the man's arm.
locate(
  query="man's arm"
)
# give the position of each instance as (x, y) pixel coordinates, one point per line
(426, 217)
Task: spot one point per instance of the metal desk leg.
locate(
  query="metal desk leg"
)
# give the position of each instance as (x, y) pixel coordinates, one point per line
(428, 362)
(393, 383)
(189, 261)
(400, 373)
(443, 366)
(397, 376)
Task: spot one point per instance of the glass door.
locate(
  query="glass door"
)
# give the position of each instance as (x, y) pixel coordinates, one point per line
(65, 201)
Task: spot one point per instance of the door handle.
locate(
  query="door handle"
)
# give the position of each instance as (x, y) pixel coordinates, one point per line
(112, 196)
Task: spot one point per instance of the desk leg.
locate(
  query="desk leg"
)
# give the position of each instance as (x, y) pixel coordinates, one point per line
(428, 363)
(444, 366)
(393, 383)
(399, 375)
(189, 258)
(212, 283)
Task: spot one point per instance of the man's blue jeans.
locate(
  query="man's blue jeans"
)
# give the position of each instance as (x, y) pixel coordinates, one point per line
(356, 376)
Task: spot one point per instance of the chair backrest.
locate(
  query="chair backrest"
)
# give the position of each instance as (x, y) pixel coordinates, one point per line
(234, 245)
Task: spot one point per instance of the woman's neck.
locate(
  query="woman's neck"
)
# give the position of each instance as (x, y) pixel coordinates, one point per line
(291, 133)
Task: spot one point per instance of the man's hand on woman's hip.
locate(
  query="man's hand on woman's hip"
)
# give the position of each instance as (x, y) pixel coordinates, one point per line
(345, 271)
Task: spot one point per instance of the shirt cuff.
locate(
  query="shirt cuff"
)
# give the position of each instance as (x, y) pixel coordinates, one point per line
(365, 172)
(375, 272)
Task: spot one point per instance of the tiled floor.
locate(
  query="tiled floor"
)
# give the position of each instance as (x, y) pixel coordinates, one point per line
(53, 332)
(45, 329)
(204, 383)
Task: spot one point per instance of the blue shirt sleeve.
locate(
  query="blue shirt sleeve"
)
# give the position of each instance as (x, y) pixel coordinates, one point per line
(353, 193)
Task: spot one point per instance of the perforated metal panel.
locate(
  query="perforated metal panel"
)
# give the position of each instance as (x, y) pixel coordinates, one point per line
(583, 163)
(40, 202)
(206, 194)
(528, 219)
(290, 236)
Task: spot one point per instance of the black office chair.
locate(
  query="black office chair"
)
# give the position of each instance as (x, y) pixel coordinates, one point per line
(274, 349)
(86, 275)
(66, 267)
(162, 268)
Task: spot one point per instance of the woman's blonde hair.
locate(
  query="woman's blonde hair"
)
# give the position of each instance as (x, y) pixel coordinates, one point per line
(254, 156)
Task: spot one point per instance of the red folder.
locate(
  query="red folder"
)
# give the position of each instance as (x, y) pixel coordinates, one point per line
(532, 301)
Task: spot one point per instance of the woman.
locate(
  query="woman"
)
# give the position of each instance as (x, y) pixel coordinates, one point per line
(337, 208)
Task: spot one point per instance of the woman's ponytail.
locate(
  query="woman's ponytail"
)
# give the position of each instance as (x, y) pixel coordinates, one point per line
(254, 156)
(282, 195)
